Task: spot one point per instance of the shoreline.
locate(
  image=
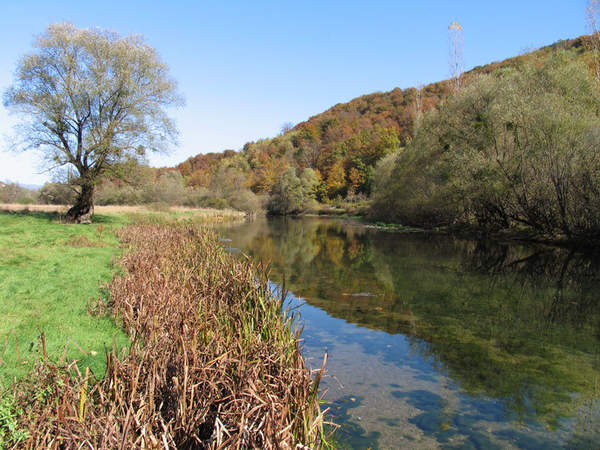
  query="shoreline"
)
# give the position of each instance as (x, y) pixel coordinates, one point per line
(470, 232)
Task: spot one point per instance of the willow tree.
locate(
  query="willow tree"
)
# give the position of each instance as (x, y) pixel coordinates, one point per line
(92, 100)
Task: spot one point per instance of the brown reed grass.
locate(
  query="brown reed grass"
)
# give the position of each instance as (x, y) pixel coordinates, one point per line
(214, 361)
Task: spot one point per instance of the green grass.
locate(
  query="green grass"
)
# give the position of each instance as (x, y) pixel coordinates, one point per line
(49, 272)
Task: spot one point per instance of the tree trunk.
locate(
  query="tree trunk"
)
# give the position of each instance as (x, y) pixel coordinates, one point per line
(83, 209)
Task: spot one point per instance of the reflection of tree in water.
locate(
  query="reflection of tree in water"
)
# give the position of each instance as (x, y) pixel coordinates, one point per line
(284, 243)
(516, 323)
(574, 279)
(513, 322)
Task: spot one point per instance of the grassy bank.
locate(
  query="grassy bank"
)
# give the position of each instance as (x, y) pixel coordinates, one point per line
(50, 274)
(213, 363)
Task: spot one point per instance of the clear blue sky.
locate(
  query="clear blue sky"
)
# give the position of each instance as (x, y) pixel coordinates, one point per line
(246, 67)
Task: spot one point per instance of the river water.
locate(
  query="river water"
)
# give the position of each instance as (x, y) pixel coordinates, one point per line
(440, 342)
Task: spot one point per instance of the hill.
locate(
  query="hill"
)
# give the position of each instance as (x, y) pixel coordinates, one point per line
(344, 143)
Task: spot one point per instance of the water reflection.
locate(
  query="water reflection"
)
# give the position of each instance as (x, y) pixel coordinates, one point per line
(436, 341)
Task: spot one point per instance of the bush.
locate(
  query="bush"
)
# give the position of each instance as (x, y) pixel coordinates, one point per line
(14, 193)
(517, 147)
(291, 194)
(111, 193)
(196, 197)
(58, 194)
(245, 200)
(215, 202)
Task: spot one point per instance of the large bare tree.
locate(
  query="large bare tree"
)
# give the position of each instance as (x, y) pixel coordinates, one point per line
(92, 100)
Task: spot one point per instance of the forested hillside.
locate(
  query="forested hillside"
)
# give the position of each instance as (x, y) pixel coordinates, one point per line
(411, 155)
(343, 144)
(516, 149)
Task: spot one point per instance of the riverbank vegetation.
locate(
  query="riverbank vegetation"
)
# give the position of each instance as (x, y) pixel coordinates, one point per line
(121, 214)
(514, 149)
(344, 144)
(213, 360)
(141, 185)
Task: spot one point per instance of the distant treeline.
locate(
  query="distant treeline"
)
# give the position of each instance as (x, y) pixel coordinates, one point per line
(145, 185)
(15, 193)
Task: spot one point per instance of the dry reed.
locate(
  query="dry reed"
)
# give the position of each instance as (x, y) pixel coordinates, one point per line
(214, 361)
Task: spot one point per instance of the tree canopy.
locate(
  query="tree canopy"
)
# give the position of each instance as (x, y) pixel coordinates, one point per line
(93, 100)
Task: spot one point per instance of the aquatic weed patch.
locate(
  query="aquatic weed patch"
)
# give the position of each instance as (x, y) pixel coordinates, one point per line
(214, 362)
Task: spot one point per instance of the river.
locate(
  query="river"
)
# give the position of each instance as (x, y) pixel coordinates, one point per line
(439, 342)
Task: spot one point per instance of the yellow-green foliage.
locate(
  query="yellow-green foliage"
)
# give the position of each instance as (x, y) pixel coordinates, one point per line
(518, 146)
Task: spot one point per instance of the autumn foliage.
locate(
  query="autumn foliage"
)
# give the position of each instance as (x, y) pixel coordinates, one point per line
(344, 143)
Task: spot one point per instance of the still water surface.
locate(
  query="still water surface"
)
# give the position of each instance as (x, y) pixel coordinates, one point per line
(439, 342)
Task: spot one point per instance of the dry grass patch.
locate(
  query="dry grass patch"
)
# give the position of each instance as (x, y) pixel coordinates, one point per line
(206, 214)
(82, 241)
(16, 207)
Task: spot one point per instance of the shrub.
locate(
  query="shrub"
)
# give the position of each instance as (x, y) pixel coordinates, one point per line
(245, 200)
(14, 193)
(517, 147)
(58, 194)
(291, 194)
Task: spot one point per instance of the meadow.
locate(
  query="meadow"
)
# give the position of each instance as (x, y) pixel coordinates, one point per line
(50, 275)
